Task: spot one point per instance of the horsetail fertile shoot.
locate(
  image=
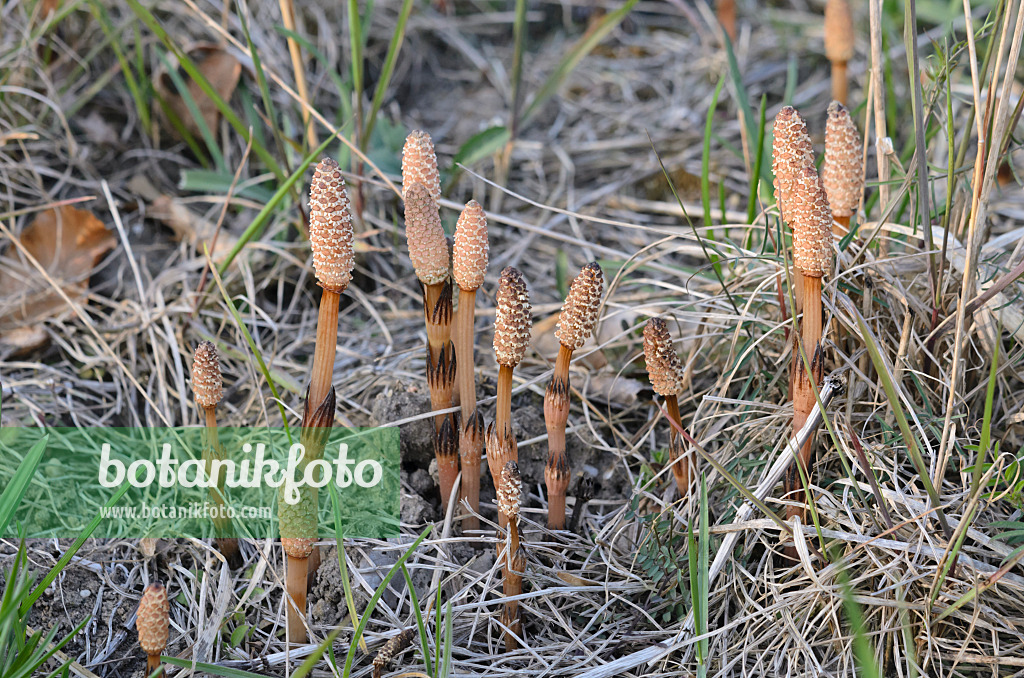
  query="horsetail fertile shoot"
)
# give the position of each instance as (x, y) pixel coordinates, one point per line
(575, 325)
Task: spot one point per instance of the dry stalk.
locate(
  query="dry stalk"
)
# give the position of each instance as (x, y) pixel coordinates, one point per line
(512, 323)
(666, 375)
(152, 623)
(575, 325)
(469, 264)
(208, 388)
(812, 253)
(509, 498)
(839, 45)
(842, 173)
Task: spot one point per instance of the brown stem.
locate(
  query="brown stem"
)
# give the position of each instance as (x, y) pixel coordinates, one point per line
(501, 449)
(326, 347)
(228, 547)
(839, 82)
(295, 583)
(152, 664)
(503, 407)
(446, 451)
(437, 310)
(803, 392)
(462, 334)
(513, 586)
(840, 225)
(556, 414)
(680, 462)
(471, 446)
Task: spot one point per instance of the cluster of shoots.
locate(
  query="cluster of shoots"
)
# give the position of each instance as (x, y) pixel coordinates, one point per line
(814, 207)
(153, 625)
(208, 389)
(666, 375)
(451, 360)
(575, 325)
(330, 238)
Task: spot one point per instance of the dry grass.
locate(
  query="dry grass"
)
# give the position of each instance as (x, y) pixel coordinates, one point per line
(584, 182)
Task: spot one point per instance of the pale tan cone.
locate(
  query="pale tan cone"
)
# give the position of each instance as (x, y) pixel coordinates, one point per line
(419, 164)
(842, 173)
(153, 623)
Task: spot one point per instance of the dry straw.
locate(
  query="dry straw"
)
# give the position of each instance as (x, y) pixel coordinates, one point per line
(153, 624)
(469, 265)
(513, 320)
(575, 325)
(666, 375)
(842, 173)
(208, 387)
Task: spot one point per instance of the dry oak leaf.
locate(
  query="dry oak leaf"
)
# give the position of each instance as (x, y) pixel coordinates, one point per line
(221, 69)
(68, 243)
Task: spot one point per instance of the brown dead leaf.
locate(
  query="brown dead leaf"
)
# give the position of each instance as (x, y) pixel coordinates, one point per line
(219, 67)
(67, 243)
(191, 227)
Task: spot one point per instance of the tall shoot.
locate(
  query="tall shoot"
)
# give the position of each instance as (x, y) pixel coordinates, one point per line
(575, 325)
(469, 265)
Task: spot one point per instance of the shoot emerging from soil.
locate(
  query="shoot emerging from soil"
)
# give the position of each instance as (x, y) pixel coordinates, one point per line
(513, 320)
(153, 624)
(208, 387)
(666, 376)
(469, 264)
(575, 325)
(842, 173)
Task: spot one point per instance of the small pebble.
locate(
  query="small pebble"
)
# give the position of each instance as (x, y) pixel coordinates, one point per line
(85, 593)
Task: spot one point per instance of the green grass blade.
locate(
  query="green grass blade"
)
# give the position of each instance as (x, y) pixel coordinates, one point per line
(755, 176)
(211, 669)
(424, 639)
(863, 655)
(704, 584)
(446, 658)
(350, 657)
(16, 488)
(355, 42)
(256, 227)
(572, 58)
(193, 72)
(70, 553)
(193, 109)
(252, 347)
(519, 42)
(882, 369)
(384, 81)
(343, 564)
